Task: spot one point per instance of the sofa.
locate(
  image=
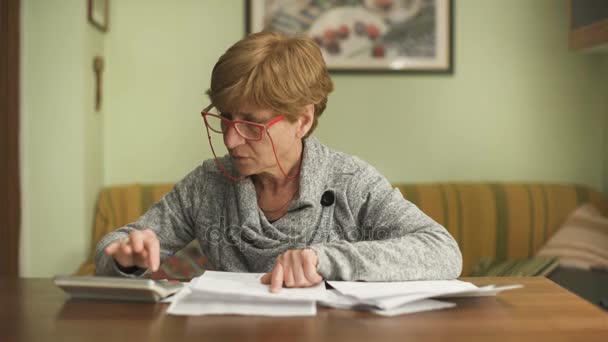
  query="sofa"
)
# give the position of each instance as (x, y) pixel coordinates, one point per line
(498, 226)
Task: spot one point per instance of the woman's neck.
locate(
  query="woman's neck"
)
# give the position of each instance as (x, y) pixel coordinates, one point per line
(274, 179)
(274, 183)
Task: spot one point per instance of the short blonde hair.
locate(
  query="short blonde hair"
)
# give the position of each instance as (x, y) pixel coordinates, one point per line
(270, 71)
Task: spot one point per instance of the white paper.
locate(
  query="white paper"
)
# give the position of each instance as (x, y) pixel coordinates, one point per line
(337, 300)
(248, 285)
(196, 304)
(388, 296)
(230, 293)
(389, 303)
(485, 291)
(417, 306)
(377, 290)
(244, 294)
(184, 291)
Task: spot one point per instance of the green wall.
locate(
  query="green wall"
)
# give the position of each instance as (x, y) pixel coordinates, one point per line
(518, 107)
(61, 136)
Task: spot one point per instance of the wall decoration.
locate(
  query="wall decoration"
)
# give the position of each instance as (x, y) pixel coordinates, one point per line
(365, 35)
(97, 12)
(98, 70)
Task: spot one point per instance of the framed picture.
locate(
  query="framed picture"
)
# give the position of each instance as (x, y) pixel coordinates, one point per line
(365, 35)
(97, 12)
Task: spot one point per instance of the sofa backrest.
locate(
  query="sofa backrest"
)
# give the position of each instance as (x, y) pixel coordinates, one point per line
(117, 206)
(500, 221)
(490, 221)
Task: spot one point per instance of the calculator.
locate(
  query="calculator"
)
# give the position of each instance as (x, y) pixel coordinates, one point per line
(117, 288)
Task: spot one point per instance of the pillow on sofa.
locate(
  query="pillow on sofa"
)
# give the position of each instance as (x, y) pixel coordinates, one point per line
(582, 241)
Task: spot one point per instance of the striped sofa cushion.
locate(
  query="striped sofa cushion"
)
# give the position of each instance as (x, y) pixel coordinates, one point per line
(537, 266)
(500, 221)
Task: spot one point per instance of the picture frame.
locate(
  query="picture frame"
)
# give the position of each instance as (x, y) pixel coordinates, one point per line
(363, 36)
(97, 14)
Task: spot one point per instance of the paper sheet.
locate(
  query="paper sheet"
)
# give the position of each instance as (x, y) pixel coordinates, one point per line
(337, 300)
(248, 285)
(417, 306)
(390, 296)
(192, 304)
(225, 293)
(377, 290)
(244, 294)
(485, 291)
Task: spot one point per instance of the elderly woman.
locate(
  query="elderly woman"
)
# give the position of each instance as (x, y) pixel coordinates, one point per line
(280, 202)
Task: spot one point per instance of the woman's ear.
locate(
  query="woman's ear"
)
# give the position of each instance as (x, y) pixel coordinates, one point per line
(305, 120)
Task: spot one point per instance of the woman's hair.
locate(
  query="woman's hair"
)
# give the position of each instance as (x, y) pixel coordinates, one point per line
(267, 70)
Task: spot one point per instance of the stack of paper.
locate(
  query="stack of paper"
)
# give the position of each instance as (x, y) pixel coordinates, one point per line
(396, 298)
(244, 294)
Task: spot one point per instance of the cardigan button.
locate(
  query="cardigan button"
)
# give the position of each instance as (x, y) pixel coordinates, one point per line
(328, 198)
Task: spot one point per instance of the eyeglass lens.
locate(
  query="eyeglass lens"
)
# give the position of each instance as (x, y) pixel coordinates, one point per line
(246, 130)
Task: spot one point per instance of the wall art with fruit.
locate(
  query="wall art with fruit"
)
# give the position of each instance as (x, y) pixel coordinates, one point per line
(365, 35)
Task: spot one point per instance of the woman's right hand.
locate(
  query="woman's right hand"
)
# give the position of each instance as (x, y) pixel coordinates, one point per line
(141, 248)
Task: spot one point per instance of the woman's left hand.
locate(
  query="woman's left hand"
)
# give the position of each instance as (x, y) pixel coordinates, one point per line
(294, 268)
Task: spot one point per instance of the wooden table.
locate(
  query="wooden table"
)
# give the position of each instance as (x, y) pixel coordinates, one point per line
(35, 310)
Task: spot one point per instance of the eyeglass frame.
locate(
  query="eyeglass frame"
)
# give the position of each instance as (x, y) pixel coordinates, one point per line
(232, 123)
(264, 127)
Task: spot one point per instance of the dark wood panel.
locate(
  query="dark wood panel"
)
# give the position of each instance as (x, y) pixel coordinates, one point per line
(9, 137)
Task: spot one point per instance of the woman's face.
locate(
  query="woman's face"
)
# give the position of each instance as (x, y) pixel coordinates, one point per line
(254, 157)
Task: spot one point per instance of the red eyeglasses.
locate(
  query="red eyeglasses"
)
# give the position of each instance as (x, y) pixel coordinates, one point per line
(246, 129)
(249, 130)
